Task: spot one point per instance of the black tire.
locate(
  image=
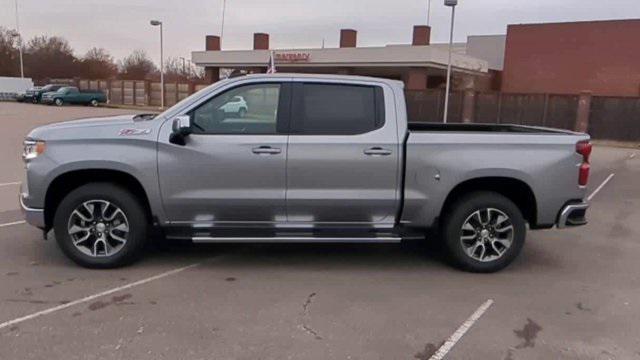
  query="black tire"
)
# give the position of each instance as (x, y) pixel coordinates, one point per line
(58, 102)
(94, 102)
(120, 197)
(34, 100)
(457, 214)
(242, 112)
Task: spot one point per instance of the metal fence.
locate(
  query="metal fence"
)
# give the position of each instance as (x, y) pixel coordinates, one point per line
(610, 118)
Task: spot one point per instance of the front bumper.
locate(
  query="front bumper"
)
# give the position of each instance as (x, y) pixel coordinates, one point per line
(32, 216)
(573, 215)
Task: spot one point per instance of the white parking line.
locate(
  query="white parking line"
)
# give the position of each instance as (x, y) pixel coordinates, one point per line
(12, 223)
(95, 296)
(453, 339)
(600, 187)
(10, 183)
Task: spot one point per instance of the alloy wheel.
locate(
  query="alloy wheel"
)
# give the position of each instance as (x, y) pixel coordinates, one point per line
(487, 234)
(98, 228)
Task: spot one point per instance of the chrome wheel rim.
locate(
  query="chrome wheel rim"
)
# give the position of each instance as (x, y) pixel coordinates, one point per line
(487, 234)
(98, 228)
(94, 103)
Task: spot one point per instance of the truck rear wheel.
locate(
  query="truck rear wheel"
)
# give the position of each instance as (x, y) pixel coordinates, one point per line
(483, 232)
(101, 225)
(93, 102)
(59, 102)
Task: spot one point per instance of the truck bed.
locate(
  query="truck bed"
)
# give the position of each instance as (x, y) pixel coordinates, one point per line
(484, 128)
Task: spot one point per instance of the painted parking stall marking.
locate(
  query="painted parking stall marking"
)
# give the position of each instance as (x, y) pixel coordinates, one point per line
(12, 223)
(95, 296)
(459, 333)
(601, 186)
(10, 183)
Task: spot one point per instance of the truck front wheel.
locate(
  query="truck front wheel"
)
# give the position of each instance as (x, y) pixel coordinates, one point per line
(59, 102)
(483, 232)
(101, 225)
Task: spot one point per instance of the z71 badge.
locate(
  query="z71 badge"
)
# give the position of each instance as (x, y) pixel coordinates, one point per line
(134, 132)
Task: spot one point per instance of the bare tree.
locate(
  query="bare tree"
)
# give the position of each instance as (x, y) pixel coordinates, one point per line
(98, 64)
(8, 53)
(137, 66)
(47, 57)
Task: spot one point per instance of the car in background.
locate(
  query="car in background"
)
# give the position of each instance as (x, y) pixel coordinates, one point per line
(71, 95)
(34, 95)
(237, 105)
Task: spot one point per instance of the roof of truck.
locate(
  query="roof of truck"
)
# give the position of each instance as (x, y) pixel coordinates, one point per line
(325, 77)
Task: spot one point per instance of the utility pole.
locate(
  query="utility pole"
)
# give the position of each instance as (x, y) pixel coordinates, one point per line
(19, 41)
(224, 9)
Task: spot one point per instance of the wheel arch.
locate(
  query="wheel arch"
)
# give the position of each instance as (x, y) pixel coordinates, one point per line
(70, 180)
(514, 189)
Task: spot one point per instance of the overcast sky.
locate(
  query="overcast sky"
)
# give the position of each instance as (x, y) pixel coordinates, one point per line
(122, 26)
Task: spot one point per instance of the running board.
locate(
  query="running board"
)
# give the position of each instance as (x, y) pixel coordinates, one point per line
(296, 239)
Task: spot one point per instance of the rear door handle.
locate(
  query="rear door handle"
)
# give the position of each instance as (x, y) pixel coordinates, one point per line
(266, 150)
(377, 151)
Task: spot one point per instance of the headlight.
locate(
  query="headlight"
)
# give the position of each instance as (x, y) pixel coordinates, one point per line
(33, 148)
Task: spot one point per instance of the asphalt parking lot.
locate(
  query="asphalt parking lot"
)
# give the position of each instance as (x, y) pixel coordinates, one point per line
(572, 294)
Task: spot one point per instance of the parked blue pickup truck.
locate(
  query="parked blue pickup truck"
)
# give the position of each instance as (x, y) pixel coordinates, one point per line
(71, 95)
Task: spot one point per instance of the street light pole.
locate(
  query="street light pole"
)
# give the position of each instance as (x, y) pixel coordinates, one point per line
(159, 23)
(452, 4)
(428, 12)
(19, 41)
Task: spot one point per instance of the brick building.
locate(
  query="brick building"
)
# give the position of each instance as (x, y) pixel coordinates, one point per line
(602, 57)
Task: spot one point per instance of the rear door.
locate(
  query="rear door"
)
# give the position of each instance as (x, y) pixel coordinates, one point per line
(343, 155)
(231, 171)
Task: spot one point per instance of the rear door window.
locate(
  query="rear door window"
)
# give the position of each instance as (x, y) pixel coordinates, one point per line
(335, 109)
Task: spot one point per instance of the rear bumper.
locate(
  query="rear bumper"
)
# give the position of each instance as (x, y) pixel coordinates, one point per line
(32, 216)
(573, 215)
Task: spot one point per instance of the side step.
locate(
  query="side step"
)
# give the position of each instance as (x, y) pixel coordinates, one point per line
(297, 239)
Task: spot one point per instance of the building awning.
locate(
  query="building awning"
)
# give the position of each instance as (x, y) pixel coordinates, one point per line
(430, 56)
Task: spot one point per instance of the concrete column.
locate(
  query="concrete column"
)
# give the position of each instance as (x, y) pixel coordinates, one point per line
(415, 79)
(468, 106)
(348, 38)
(421, 35)
(584, 110)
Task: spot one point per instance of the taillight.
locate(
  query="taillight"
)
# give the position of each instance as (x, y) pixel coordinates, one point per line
(584, 148)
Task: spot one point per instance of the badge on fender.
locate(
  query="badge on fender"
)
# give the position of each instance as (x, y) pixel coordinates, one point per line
(134, 132)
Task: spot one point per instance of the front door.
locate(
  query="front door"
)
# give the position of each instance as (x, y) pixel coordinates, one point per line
(232, 168)
(342, 166)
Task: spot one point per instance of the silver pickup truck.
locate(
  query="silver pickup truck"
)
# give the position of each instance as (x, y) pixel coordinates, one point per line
(314, 158)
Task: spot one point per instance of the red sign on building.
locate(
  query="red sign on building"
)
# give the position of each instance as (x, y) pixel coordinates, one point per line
(292, 57)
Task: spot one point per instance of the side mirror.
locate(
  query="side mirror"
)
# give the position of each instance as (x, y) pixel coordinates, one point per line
(181, 128)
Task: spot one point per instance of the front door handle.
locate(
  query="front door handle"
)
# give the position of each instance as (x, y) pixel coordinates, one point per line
(377, 151)
(266, 150)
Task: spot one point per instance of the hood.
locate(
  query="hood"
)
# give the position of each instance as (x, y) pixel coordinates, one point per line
(121, 126)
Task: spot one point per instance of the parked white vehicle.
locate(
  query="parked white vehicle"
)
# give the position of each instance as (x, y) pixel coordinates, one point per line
(237, 105)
